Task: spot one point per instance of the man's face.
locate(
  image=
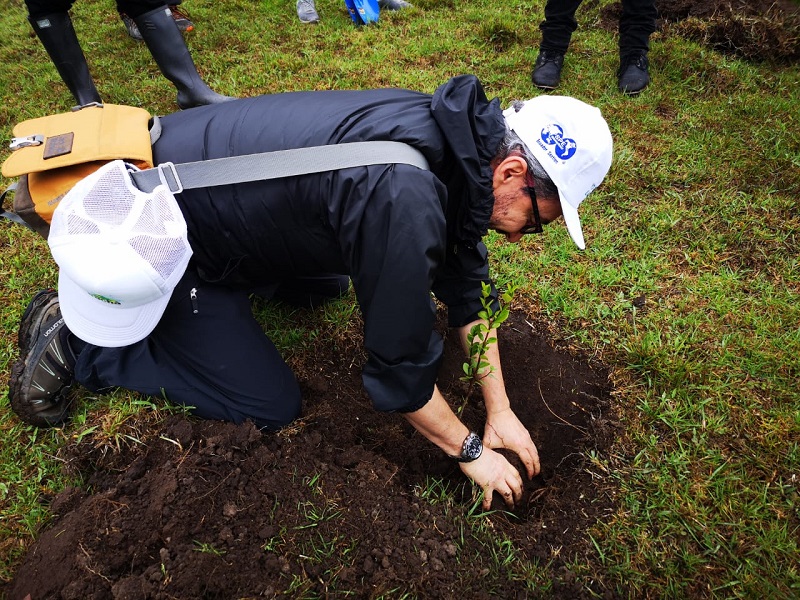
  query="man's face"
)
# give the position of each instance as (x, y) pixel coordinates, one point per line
(513, 211)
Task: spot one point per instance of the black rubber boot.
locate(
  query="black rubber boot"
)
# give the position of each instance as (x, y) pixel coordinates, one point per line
(165, 42)
(58, 37)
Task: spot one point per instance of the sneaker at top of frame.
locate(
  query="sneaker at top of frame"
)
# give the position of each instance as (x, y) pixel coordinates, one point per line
(307, 11)
(180, 16)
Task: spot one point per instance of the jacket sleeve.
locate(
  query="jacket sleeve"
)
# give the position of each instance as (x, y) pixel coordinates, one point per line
(393, 258)
(458, 283)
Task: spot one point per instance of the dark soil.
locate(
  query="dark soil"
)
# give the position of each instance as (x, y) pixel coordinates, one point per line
(758, 30)
(336, 505)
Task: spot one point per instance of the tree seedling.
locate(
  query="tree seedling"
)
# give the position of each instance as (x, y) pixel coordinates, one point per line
(476, 367)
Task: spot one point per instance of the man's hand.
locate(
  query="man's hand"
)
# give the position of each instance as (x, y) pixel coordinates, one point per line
(504, 430)
(438, 423)
(494, 473)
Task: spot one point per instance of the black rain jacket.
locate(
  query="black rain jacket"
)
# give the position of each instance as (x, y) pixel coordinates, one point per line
(399, 232)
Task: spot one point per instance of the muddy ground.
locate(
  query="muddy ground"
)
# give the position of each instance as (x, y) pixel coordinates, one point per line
(758, 30)
(336, 505)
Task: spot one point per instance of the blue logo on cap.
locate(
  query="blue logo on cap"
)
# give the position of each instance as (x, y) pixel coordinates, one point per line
(553, 135)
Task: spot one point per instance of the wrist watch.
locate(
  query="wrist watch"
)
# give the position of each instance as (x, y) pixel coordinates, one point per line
(471, 449)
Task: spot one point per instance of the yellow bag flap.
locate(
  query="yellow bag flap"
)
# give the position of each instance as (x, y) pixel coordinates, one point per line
(94, 133)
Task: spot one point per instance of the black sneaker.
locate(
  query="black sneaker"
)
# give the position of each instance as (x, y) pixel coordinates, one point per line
(43, 307)
(180, 16)
(633, 74)
(547, 69)
(131, 27)
(42, 377)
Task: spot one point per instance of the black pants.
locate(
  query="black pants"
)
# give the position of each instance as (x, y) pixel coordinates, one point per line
(132, 8)
(638, 21)
(216, 359)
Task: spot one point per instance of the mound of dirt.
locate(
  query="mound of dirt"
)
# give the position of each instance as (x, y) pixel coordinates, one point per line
(758, 30)
(347, 502)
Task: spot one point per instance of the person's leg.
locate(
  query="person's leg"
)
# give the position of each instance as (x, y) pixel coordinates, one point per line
(208, 352)
(136, 8)
(40, 8)
(311, 291)
(559, 24)
(637, 23)
(557, 28)
(53, 27)
(166, 44)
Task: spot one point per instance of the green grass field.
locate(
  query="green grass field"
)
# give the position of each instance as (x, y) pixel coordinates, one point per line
(689, 289)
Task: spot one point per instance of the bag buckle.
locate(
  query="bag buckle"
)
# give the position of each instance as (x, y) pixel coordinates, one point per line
(23, 142)
(168, 175)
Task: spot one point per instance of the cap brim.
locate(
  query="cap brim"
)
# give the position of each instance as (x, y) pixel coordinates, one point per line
(573, 222)
(103, 324)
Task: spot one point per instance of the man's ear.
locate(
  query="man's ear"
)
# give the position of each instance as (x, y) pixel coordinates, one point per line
(511, 167)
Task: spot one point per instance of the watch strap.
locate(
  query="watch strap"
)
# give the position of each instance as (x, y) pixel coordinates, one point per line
(471, 448)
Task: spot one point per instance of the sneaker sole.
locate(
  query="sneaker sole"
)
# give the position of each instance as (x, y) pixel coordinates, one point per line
(25, 411)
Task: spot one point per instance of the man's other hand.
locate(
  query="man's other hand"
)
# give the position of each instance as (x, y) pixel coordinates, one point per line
(494, 473)
(504, 430)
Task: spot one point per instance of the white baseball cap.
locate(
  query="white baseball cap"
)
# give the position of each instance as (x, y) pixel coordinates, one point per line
(120, 252)
(572, 142)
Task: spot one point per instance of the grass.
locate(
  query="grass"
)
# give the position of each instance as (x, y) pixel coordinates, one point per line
(689, 288)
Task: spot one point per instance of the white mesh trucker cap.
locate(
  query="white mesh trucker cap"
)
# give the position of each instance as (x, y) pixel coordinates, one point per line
(120, 252)
(572, 142)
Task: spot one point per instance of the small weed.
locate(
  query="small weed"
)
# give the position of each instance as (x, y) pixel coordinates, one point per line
(317, 515)
(435, 490)
(276, 542)
(207, 548)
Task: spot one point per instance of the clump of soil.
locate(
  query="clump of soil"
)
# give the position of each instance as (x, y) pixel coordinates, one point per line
(758, 30)
(342, 503)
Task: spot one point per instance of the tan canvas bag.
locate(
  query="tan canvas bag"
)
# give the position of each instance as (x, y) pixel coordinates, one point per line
(50, 154)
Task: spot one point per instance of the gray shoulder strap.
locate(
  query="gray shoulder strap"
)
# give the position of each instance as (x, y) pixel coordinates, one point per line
(274, 165)
(7, 214)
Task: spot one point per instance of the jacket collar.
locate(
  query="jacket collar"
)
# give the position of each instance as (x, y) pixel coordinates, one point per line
(474, 128)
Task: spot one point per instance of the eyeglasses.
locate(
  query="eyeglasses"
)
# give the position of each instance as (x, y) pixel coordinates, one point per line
(536, 227)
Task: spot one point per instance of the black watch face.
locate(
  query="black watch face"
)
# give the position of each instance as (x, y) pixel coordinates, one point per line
(472, 447)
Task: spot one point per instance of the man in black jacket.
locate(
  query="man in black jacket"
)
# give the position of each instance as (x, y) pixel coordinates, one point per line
(173, 319)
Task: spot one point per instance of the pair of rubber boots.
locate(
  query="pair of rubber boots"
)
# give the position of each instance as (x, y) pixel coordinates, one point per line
(163, 39)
